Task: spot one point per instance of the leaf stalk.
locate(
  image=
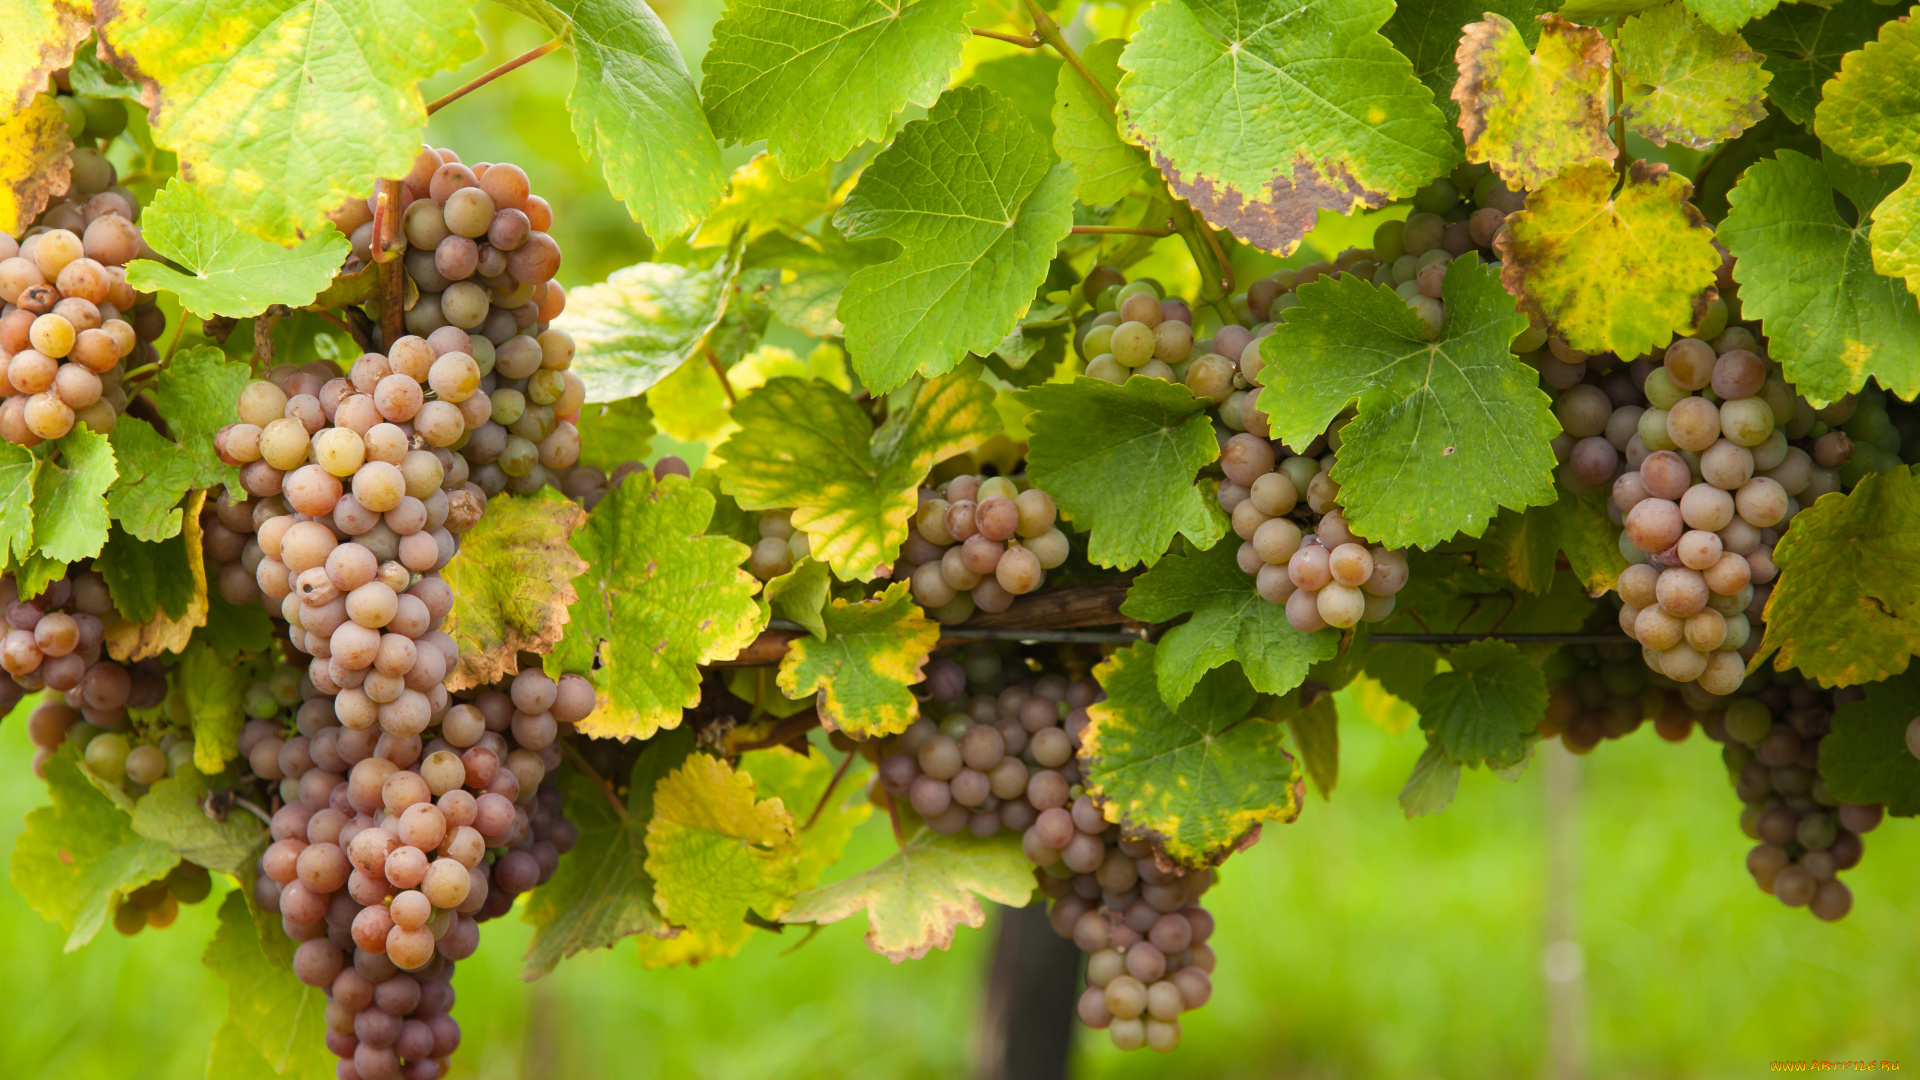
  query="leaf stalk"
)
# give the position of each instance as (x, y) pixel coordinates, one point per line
(517, 62)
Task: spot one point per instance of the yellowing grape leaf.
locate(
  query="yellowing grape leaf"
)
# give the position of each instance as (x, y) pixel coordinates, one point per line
(1613, 273)
(275, 1025)
(70, 513)
(1085, 130)
(1263, 112)
(1686, 81)
(41, 38)
(512, 585)
(1865, 760)
(80, 855)
(172, 813)
(1866, 112)
(33, 162)
(1196, 779)
(800, 781)
(1525, 545)
(228, 271)
(715, 853)
(862, 667)
(1846, 608)
(168, 583)
(1427, 32)
(635, 328)
(279, 109)
(800, 595)
(658, 600)
(1530, 115)
(918, 896)
(1483, 711)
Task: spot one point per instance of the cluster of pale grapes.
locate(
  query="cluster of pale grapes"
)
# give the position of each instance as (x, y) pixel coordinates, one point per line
(780, 545)
(56, 641)
(71, 324)
(1132, 329)
(403, 838)
(978, 542)
(1005, 757)
(157, 903)
(1603, 692)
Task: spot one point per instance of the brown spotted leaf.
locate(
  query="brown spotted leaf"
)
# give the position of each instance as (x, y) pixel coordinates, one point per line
(512, 585)
(33, 162)
(39, 40)
(1531, 114)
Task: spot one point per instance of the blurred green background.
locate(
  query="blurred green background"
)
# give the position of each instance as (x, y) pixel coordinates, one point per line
(1352, 944)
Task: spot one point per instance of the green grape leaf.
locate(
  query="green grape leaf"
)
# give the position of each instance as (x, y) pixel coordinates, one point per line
(70, 516)
(799, 595)
(42, 36)
(974, 200)
(633, 329)
(1727, 16)
(1427, 33)
(1524, 545)
(602, 891)
(155, 473)
(1431, 787)
(198, 393)
(1028, 80)
(1357, 129)
(18, 470)
(1532, 114)
(1447, 431)
(1316, 731)
(634, 107)
(1086, 133)
(228, 271)
(1866, 113)
(1685, 81)
(800, 781)
(1846, 608)
(658, 600)
(804, 444)
(230, 631)
(146, 578)
(1198, 779)
(92, 78)
(1120, 463)
(1865, 760)
(917, 897)
(172, 813)
(1482, 711)
(80, 855)
(291, 105)
(1614, 273)
(808, 274)
(274, 1023)
(614, 433)
(1807, 275)
(872, 652)
(34, 162)
(1230, 623)
(215, 691)
(762, 201)
(815, 78)
(512, 582)
(715, 853)
(1803, 44)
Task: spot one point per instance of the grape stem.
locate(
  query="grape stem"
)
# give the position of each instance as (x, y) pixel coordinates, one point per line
(1048, 31)
(581, 763)
(845, 763)
(179, 325)
(893, 815)
(524, 58)
(1121, 230)
(249, 806)
(1025, 42)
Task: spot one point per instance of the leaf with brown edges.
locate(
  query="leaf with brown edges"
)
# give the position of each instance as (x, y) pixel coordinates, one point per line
(40, 39)
(512, 585)
(33, 162)
(1529, 115)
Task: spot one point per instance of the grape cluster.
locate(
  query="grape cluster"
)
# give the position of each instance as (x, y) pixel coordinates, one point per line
(71, 323)
(157, 903)
(397, 848)
(56, 641)
(588, 484)
(780, 545)
(1608, 694)
(978, 542)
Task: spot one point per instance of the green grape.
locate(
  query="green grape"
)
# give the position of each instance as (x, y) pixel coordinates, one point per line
(107, 755)
(519, 457)
(1713, 322)
(1530, 340)
(285, 684)
(106, 117)
(1437, 197)
(1133, 344)
(75, 114)
(1386, 241)
(1108, 300)
(545, 386)
(1660, 390)
(260, 702)
(1136, 288)
(508, 405)
(1747, 421)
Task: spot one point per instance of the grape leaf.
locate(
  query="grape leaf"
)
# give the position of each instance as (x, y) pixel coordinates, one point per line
(1727, 16)
(1866, 112)
(1230, 622)
(70, 517)
(1196, 779)
(974, 200)
(633, 329)
(1431, 787)
(658, 600)
(171, 813)
(634, 106)
(159, 590)
(198, 393)
(1524, 545)
(614, 433)
(1028, 81)
(1482, 711)
(918, 896)
(862, 666)
(1316, 731)
(1687, 82)
(762, 201)
(41, 38)
(1865, 760)
(33, 162)
(155, 473)
(1614, 273)
(92, 78)
(1085, 130)
(800, 782)
(1846, 608)
(799, 595)
(1530, 115)
(272, 1018)
(1261, 113)
(18, 470)
(815, 78)
(512, 584)
(1447, 431)
(291, 105)
(805, 445)
(1807, 275)
(808, 274)
(80, 855)
(1120, 463)
(215, 690)
(716, 853)
(1803, 44)
(602, 891)
(230, 631)
(1427, 33)
(228, 271)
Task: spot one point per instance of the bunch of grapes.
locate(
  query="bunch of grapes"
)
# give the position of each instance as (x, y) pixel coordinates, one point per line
(56, 641)
(977, 543)
(71, 322)
(1607, 694)
(588, 484)
(1132, 329)
(157, 903)
(780, 545)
